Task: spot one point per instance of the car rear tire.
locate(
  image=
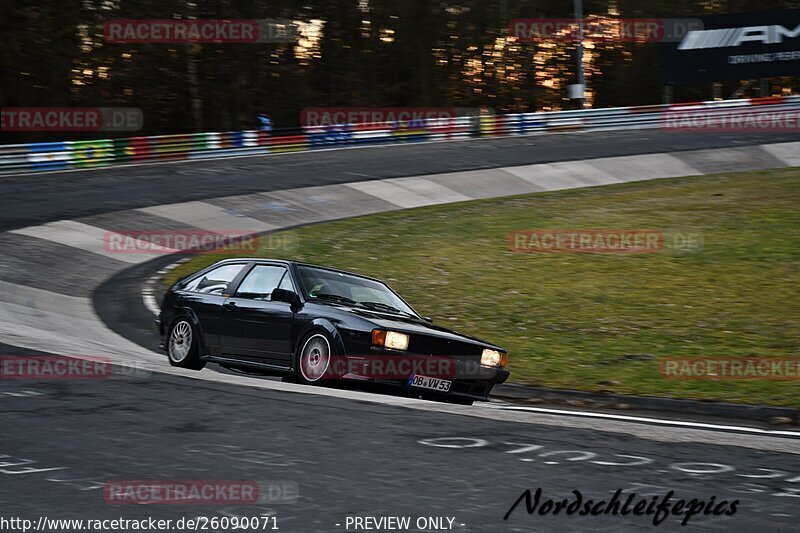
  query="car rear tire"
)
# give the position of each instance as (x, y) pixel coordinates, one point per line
(314, 359)
(182, 346)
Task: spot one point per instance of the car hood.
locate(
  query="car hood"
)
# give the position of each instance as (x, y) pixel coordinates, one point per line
(417, 327)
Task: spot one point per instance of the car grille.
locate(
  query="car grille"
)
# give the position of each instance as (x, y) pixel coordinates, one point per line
(436, 346)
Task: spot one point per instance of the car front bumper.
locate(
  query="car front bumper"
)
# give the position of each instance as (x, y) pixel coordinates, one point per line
(468, 379)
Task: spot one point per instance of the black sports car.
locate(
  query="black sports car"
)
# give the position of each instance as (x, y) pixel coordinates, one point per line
(315, 324)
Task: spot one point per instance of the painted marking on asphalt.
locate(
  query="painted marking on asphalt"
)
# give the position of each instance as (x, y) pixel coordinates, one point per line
(89, 238)
(727, 475)
(564, 175)
(20, 393)
(208, 217)
(649, 420)
(12, 465)
(434, 193)
(150, 302)
(62, 325)
(789, 153)
(409, 192)
(149, 289)
(646, 167)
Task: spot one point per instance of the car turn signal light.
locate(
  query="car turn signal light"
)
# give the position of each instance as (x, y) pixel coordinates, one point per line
(390, 339)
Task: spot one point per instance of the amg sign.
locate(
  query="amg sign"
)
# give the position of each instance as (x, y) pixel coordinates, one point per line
(736, 46)
(736, 36)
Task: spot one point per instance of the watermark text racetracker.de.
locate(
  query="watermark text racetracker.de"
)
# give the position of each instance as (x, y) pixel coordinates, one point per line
(401, 367)
(383, 117)
(602, 29)
(205, 492)
(168, 31)
(754, 119)
(57, 367)
(731, 368)
(604, 241)
(15, 524)
(71, 119)
(158, 241)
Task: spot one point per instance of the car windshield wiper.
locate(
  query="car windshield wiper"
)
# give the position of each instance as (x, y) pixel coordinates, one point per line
(386, 307)
(333, 298)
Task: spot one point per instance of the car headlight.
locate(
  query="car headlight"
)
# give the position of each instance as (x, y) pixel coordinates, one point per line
(493, 358)
(390, 339)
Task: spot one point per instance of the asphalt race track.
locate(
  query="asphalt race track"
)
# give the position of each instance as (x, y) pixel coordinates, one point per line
(349, 458)
(60, 195)
(321, 456)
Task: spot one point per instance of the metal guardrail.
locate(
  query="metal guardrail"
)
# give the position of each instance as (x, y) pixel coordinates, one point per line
(54, 156)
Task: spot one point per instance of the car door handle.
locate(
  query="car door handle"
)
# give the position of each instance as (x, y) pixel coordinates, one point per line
(229, 305)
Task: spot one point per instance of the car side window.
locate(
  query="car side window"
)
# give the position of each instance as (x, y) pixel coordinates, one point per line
(261, 281)
(286, 283)
(214, 281)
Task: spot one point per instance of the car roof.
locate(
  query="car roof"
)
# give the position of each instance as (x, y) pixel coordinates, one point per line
(290, 262)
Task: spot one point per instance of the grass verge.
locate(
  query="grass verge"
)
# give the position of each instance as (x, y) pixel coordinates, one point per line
(590, 321)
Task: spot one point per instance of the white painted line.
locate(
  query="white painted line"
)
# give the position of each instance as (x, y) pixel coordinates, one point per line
(149, 290)
(150, 302)
(89, 238)
(208, 216)
(649, 420)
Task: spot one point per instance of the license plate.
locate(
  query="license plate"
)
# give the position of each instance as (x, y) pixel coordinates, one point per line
(424, 382)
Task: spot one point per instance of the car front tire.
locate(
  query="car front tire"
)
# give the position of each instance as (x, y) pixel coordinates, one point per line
(314, 359)
(182, 346)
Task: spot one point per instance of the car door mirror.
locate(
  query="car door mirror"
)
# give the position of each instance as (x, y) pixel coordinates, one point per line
(427, 319)
(285, 295)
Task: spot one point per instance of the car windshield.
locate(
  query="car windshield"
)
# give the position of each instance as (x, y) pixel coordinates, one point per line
(320, 284)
